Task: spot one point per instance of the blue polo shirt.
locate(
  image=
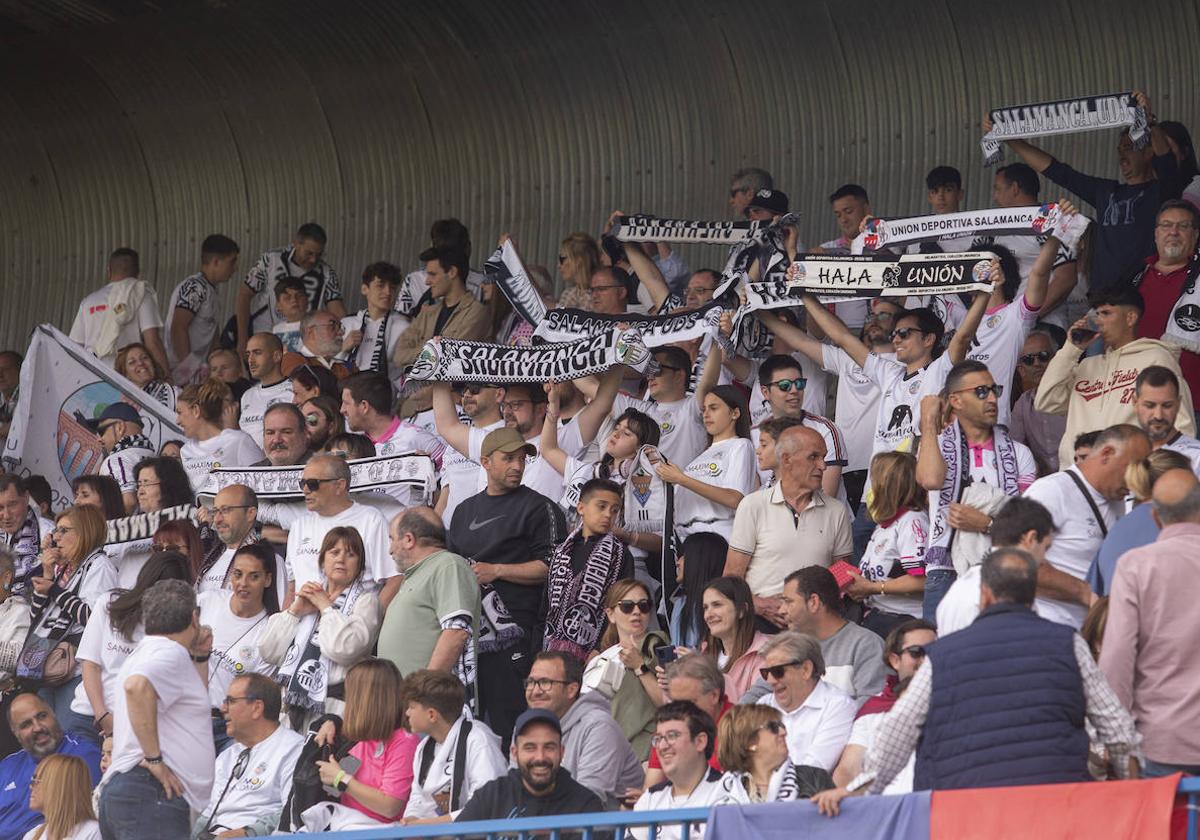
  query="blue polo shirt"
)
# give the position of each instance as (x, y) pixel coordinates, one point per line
(16, 771)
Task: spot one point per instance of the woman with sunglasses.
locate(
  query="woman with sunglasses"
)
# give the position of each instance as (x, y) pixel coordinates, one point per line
(75, 575)
(729, 636)
(627, 663)
(181, 536)
(210, 444)
(891, 578)
(61, 790)
(752, 748)
(322, 420)
(100, 491)
(135, 363)
(578, 259)
(711, 486)
(110, 636)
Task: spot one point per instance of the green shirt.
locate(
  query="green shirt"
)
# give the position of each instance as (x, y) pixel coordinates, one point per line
(439, 589)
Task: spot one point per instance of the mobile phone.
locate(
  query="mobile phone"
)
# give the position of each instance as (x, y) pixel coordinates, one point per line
(665, 654)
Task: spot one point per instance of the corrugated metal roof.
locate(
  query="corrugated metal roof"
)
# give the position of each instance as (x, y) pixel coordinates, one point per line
(130, 124)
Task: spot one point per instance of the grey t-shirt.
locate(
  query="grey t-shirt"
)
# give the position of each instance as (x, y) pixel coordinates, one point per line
(853, 663)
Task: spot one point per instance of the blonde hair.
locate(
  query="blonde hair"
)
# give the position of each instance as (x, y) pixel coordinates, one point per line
(1141, 475)
(210, 396)
(90, 528)
(894, 485)
(581, 251)
(736, 733)
(66, 790)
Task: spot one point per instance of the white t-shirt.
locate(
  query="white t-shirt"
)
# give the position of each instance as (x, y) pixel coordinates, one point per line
(539, 474)
(265, 782)
(120, 466)
(897, 548)
(1188, 446)
(104, 646)
(184, 717)
(818, 728)
(363, 354)
(94, 309)
(227, 448)
(863, 735)
(288, 333)
(321, 284)
(462, 475)
(306, 534)
(714, 789)
(255, 403)
(857, 406)
(484, 762)
(682, 435)
(198, 296)
(998, 343)
(899, 417)
(86, 830)
(731, 464)
(960, 605)
(948, 308)
(1077, 535)
(129, 558)
(235, 644)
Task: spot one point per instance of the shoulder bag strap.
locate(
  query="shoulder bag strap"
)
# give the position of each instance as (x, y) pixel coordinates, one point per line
(460, 766)
(1091, 502)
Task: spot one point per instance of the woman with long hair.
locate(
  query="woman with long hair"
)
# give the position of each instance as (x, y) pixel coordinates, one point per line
(752, 748)
(101, 491)
(200, 414)
(322, 420)
(61, 791)
(161, 483)
(624, 669)
(709, 489)
(578, 259)
(76, 574)
(135, 363)
(729, 635)
(700, 561)
(110, 636)
(238, 617)
(310, 381)
(892, 569)
(348, 615)
(180, 535)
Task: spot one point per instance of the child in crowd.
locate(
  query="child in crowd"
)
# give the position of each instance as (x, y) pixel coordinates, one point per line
(291, 300)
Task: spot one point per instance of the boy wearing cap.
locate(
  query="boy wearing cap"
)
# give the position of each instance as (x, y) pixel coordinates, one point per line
(538, 786)
(120, 429)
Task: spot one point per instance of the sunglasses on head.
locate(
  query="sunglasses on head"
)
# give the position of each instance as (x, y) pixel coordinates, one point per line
(981, 391)
(905, 332)
(777, 671)
(643, 606)
(786, 385)
(1040, 356)
(915, 651)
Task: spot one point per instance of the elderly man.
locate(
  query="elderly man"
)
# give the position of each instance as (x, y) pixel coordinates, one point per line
(39, 734)
(595, 749)
(120, 429)
(264, 355)
(254, 775)
(22, 530)
(791, 524)
(320, 344)
(432, 623)
(162, 761)
(1035, 683)
(283, 438)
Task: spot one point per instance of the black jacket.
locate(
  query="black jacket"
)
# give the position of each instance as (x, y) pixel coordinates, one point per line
(506, 798)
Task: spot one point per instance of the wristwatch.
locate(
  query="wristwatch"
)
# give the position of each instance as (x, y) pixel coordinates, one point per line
(153, 759)
(343, 783)
(641, 669)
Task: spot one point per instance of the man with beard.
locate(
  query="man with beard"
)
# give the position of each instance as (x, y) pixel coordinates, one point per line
(1157, 392)
(539, 786)
(264, 354)
(321, 343)
(22, 530)
(40, 735)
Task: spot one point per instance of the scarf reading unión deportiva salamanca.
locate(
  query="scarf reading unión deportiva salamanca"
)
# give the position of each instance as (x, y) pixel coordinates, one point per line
(1064, 116)
(1032, 220)
(576, 615)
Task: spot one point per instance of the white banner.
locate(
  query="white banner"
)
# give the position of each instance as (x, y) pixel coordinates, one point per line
(642, 228)
(59, 380)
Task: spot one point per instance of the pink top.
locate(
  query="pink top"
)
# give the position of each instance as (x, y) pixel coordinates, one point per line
(387, 767)
(744, 672)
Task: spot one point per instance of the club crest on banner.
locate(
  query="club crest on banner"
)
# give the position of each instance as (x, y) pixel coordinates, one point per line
(79, 449)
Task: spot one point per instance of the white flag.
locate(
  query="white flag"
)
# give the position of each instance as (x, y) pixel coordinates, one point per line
(60, 382)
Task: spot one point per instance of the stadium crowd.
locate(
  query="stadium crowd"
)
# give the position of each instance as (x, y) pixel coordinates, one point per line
(894, 544)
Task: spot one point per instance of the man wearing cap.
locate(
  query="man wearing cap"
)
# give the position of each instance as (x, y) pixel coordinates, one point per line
(120, 429)
(538, 786)
(507, 533)
(767, 205)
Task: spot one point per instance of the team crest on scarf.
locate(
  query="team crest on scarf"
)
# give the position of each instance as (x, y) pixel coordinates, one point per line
(640, 481)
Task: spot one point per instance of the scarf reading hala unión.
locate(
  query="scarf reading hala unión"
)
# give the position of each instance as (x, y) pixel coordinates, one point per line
(1033, 220)
(1064, 116)
(576, 615)
(957, 455)
(504, 268)
(444, 359)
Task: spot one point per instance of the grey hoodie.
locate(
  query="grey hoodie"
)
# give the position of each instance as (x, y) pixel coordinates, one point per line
(596, 752)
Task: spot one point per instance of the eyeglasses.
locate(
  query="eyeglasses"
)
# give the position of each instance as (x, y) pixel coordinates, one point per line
(905, 332)
(1183, 227)
(543, 683)
(775, 727)
(597, 289)
(777, 671)
(882, 316)
(229, 701)
(643, 606)
(313, 484)
(671, 737)
(225, 510)
(62, 529)
(1040, 356)
(471, 389)
(148, 483)
(981, 391)
(513, 405)
(915, 651)
(786, 385)
(159, 548)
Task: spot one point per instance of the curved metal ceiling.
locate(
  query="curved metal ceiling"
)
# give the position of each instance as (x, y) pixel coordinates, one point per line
(129, 124)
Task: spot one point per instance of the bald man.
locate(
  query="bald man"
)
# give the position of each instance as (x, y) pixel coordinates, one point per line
(264, 354)
(1149, 651)
(787, 526)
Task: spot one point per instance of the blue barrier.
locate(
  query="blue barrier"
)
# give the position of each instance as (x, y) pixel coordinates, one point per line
(587, 826)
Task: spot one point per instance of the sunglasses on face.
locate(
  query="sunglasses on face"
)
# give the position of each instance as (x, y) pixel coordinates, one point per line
(312, 485)
(775, 727)
(1040, 356)
(915, 651)
(777, 671)
(159, 548)
(786, 385)
(643, 606)
(472, 390)
(981, 391)
(905, 332)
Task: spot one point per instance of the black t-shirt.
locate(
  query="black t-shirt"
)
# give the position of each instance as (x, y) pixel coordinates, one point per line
(514, 528)
(443, 316)
(506, 798)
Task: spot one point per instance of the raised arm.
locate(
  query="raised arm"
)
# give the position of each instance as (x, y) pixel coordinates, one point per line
(445, 420)
(548, 446)
(592, 416)
(833, 327)
(645, 269)
(1027, 152)
(709, 376)
(1039, 276)
(931, 466)
(961, 343)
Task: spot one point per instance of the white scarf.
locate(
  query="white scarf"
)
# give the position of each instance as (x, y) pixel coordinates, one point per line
(304, 672)
(1064, 116)
(1033, 220)
(1183, 325)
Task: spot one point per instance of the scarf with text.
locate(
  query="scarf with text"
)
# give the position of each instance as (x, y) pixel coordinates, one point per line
(576, 615)
(656, 330)
(141, 526)
(1183, 324)
(1033, 220)
(642, 228)
(304, 672)
(26, 548)
(1064, 116)
(384, 473)
(377, 361)
(957, 454)
(444, 359)
(504, 268)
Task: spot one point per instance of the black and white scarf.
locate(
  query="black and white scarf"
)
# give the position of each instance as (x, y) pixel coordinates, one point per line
(1033, 220)
(379, 355)
(26, 546)
(1064, 116)
(164, 392)
(1183, 324)
(138, 441)
(576, 618)
(956, 453)
(497, 630)
(384, 473)
(656, 330)
(832, 278)
(141, 526)
(304, 672)
(444, 359)
(504, 268)
(642, 228)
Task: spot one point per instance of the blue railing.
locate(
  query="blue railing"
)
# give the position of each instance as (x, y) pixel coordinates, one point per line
(588, 826)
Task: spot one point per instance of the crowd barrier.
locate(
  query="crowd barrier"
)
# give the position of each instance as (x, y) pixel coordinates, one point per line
(596, 826)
